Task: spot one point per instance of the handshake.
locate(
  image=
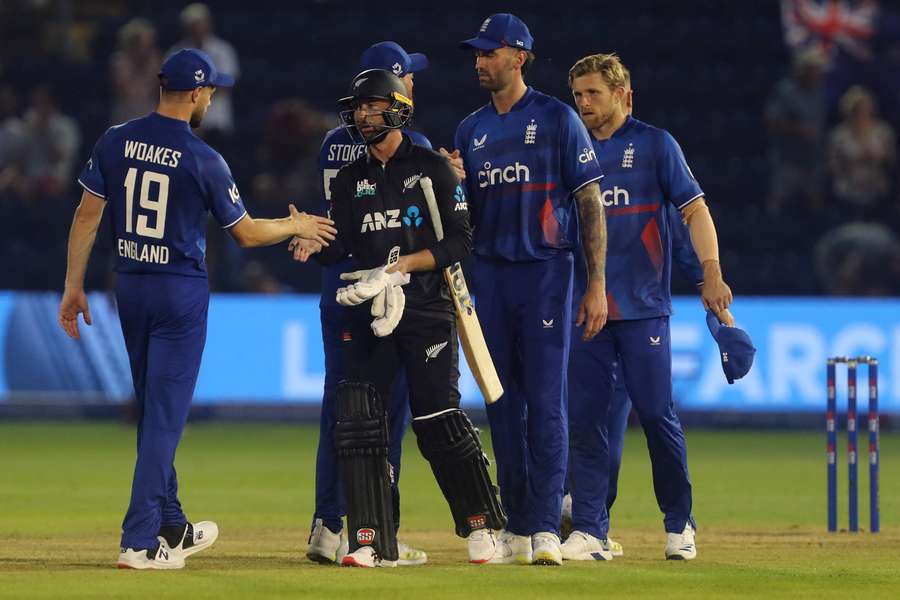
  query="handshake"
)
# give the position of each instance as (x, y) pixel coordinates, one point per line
(382, 288)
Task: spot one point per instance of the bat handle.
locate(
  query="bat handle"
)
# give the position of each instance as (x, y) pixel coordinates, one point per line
(431, 201)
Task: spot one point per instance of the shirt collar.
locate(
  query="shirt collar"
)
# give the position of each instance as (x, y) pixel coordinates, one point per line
(403, 149)
(520, 103)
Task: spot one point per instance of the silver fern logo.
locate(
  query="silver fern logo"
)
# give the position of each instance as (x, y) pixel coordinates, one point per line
(433, 351)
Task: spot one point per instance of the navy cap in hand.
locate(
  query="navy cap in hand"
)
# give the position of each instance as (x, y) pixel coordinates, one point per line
(735, 347)
(189, 69)
(390, 56)
(502, 29)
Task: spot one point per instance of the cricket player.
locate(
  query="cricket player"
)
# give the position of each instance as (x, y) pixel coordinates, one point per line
(327, 544)
(527, 156)
(647, 177)
(380, 210)
(160, 182)
(620, 406)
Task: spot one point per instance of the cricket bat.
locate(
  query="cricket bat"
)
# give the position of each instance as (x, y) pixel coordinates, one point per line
(473, 344)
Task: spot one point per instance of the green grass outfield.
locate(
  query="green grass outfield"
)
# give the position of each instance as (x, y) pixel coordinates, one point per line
(759, 502)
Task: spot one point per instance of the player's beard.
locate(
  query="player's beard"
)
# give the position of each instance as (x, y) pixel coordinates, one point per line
(197, 117)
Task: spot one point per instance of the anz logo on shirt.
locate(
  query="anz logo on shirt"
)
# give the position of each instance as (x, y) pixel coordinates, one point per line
(412, 218)
(460, 197)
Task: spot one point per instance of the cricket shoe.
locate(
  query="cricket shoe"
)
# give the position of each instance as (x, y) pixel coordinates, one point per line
(565, 517)
(324, 545)
(161, 558)
(681, 546)
(511, 548)
(584, 546)
(409, 556)
(546, 549)
(190, 538)
(365, 556)
(614, 547)
(482, 545)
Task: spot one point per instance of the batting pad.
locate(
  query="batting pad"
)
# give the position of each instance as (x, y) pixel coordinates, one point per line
(361, 442)
(449, 442)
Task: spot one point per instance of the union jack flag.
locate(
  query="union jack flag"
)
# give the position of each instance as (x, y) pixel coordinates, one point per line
(831, 26)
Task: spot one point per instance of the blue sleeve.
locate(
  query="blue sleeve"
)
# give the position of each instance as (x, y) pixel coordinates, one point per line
(223, 198)
(579, 163)
(420, 140)
(675, 177)
(91, 176)
(683, 248)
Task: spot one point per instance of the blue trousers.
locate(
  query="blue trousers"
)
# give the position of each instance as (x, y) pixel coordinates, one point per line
(525, 312)
(643, 349)
(163, 320)
(330, 505)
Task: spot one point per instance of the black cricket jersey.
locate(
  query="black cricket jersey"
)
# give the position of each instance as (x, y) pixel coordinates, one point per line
(378, 206)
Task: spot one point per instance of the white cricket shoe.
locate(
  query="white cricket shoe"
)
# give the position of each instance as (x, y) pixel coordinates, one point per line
(546, 549)
(324, 544)
(512, 548)
(614, 547)
(196, 537)
(365, 556)
(410, 556)
(584, 546)
(681, 546)
(482, 545)
(163, 558)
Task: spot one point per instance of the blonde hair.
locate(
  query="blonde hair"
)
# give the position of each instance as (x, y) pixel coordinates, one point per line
(608, 66)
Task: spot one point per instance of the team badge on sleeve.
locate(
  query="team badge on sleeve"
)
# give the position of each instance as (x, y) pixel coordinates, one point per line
(233, 192)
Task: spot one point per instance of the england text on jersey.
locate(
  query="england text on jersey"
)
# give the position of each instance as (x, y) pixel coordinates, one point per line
(148, 253)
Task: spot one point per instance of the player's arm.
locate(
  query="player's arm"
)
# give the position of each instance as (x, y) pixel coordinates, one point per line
(593, 310)
(82, 234)
(250, 232)
(716, 293)
(453, 208)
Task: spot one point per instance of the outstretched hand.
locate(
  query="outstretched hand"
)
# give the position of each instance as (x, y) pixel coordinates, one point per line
(312, 227)
(302, 249)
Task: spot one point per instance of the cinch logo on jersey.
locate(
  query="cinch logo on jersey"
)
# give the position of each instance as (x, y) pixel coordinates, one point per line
(412, 218)
(516, 173)
(587, 155)
(365, 536)
(364, 188)
(345, 153)
(410, 182)
(460, 196)
(615, 196)
(376, 221)
(159, 155)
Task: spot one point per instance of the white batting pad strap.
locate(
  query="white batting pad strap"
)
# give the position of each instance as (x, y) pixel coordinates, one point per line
(437, 414)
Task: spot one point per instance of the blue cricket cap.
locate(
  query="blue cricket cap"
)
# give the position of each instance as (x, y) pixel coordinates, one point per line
(390, 56)
(735, 347)
(190, 68)
(502, 29)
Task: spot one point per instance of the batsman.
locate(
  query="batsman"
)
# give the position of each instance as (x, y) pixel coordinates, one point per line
(401, 315)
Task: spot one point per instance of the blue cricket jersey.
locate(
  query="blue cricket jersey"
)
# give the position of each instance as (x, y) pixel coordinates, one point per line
(339, 149)
(647, 183)
(159, 181)
(522, 169)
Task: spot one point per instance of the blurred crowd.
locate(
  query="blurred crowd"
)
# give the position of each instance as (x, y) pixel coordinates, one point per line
(825, 221)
